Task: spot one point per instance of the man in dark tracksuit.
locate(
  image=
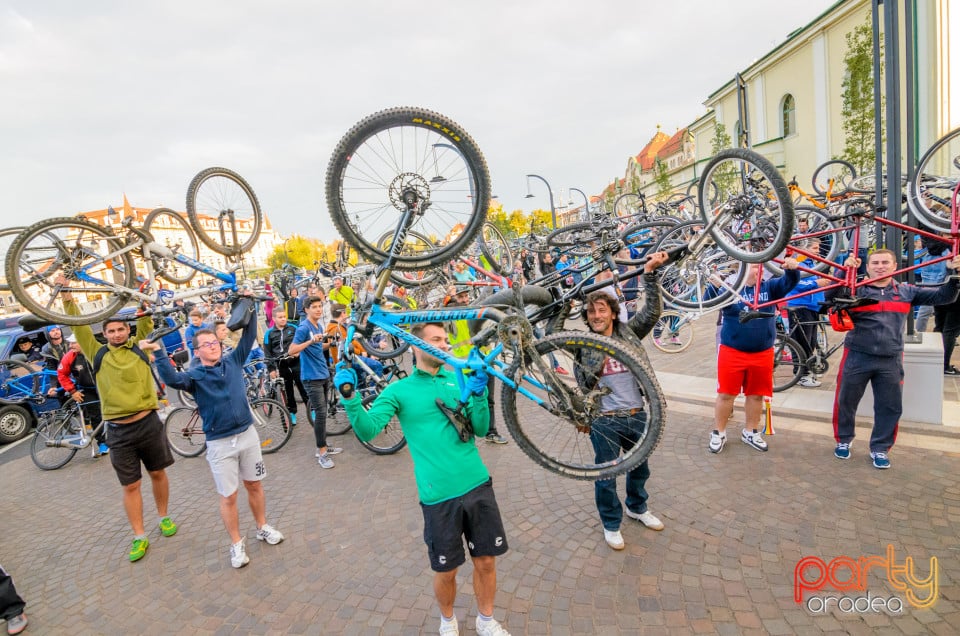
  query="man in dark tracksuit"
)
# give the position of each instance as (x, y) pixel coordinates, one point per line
(873, 352)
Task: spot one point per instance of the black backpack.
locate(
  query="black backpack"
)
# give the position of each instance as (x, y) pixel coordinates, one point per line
(102, 351)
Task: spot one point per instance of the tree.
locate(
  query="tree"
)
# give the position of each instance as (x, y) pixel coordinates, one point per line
(859, 147)
(724, 179)
(301, 251)
(662, 179)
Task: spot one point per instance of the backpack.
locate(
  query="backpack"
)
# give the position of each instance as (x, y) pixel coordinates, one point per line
(102, 351)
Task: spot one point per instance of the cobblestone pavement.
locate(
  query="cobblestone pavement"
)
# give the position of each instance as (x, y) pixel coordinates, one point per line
(354, 562)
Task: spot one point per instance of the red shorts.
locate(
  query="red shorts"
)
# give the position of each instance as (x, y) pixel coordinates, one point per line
(750, 372)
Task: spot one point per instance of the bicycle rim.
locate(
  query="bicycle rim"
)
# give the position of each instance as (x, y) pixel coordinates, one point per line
(224, 211)
(752, 202)
(404, 156)
(673, 332)
(930, 190)
(496, 250)
(86, 254)
(389, 440)
(7, 237)
(53, 431)
(415, 244)
(810, 220)
(833, 177)
(273, 424)
(686, 283)
(788, 363)
(173, 231)
(553, 440)
(184, 430)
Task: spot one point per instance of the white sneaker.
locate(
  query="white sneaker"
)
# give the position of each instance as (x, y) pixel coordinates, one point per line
(490, 628)
(238, 555)
(269, 534)
(331, 450)
(614, 539)
(809, 381)
(325, 461)
(717, 440)
(449, 628)
(646, 518)
(754, 439)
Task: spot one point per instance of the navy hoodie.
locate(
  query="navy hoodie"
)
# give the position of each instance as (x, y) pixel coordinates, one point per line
(758, 334)
(219, 390)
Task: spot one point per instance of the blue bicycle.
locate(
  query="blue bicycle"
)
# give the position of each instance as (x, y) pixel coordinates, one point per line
(408, 169)
(99, 267)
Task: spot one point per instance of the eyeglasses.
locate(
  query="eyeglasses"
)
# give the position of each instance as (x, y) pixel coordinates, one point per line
(209, 345)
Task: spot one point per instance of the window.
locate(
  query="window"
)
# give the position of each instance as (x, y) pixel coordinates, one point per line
(788, 116)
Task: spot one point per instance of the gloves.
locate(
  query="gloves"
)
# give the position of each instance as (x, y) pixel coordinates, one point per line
(477, 380)
(345, 380)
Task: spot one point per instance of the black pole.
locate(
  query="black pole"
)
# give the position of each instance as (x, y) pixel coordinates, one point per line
(877, 108)
(891, 37)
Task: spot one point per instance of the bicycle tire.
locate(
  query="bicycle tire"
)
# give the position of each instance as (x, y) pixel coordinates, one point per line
(553, 441)
(185, 398)
(930, 189)
(53, 457)
(686, 282)
(7, 236)
(817, 221)
(226, 192)
(389, 440)
(418, 244)
(672, 333)
(644, 237)
(788, 363)
(273, 424)
(383, 345)
(841, 172)
(64, 246)
(496, 249)
(754, 203)
(337, 421)
(574, 239)
(457, 201)
(183, 429)
(171, 270)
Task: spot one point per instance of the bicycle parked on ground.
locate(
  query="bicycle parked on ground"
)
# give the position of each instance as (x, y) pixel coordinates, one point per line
(61, 433)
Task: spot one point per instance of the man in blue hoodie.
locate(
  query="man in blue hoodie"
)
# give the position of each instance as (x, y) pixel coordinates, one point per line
(745, 358)
(233, 445)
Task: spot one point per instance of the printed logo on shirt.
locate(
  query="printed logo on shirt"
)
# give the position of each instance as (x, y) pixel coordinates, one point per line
(612, 366)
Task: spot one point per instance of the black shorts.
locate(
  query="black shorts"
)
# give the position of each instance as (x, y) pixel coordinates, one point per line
(474, 516)
(143, 440)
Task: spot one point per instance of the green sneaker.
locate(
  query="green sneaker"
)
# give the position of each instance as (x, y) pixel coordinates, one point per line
(138, 549)
(168, 527)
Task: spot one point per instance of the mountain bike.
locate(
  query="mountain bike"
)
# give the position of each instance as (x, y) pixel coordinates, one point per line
(99, 265)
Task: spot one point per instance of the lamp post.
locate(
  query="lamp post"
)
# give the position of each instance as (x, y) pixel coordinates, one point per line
(586, 204)
(439, 178)
(553, 209)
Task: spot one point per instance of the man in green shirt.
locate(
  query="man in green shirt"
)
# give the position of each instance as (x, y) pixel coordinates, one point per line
(455, 489)
(128, 403)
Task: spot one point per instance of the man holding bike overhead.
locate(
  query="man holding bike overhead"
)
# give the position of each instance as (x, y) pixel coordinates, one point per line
(873, 351)
(128, 403)
(233, 445)
(455, 488)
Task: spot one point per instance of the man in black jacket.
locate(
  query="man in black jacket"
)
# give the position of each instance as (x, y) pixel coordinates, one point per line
(276, 346)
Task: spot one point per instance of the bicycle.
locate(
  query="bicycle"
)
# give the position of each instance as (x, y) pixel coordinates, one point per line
(99, 264)
(61, 433)
(552, 420)
(184, 428)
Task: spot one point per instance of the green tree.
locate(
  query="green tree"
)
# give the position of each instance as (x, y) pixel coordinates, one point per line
(724, 179)
(858, 112)
(298, 251)
(662, 179)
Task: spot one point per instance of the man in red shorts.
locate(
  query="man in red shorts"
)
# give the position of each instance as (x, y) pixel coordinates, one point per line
(745, 358)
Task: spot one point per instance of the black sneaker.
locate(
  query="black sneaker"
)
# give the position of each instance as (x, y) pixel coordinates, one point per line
(951, 370)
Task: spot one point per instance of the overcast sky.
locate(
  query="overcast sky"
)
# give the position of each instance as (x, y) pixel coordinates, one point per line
(102, 98)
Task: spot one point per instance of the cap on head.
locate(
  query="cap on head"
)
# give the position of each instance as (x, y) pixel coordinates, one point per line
(71, 338)
(462, 289)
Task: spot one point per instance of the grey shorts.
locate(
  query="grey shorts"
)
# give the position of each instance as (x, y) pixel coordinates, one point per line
(234, 458)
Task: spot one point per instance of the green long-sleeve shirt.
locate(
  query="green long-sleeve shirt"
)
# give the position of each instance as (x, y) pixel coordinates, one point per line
(443, 466)
(125, 383)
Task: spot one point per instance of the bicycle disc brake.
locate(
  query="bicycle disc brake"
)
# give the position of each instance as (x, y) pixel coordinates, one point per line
(407, 189)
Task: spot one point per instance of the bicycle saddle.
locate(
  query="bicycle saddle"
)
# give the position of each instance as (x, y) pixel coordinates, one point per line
(747, 315)
(849, 303)
(31, 322)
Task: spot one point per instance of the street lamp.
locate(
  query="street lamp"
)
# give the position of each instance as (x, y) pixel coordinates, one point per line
(586, 204)
(553, 209)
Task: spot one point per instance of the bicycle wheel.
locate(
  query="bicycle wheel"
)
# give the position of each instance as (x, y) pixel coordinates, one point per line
(337, 421)
(415, 244)
(273, 424)
(224, 211)
(576, 239)
(930, 190)
(673, 332)
(184, 430)
(642, 238)
(833, 177)
(408, 157)
(687, 283)
(496, 249)
(788, 363)
(556, 440)
(628, 206)
(47, 448)
(185, 398)
(389, 440)
(811, 220)
(7, 237)
(172, 230)
(86, 254)
(753, 205)
(383, 345)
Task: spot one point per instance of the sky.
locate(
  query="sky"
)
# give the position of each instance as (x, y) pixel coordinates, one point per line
(105, 98)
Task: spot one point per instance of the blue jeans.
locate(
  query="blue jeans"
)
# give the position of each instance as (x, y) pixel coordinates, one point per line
(609, 434)
(317, 408)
